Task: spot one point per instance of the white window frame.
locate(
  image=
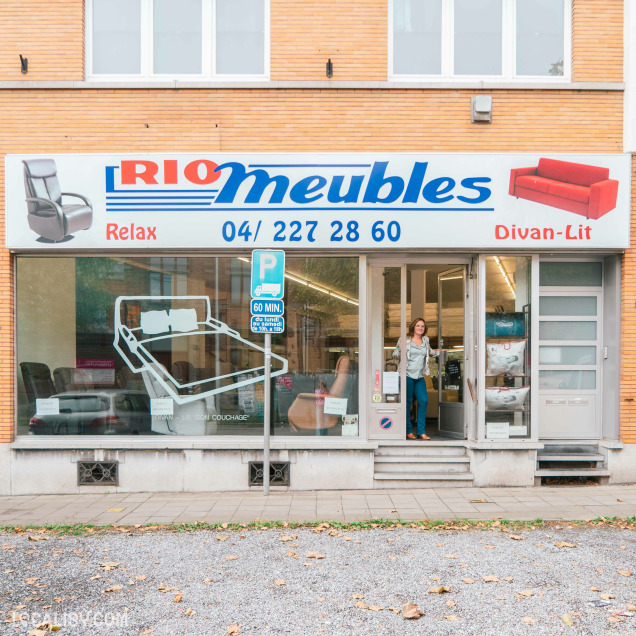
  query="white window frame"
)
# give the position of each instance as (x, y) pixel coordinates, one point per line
(508, 52)
(208, 50)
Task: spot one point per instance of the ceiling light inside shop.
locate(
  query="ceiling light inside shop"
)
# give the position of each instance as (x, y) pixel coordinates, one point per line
(502, 269)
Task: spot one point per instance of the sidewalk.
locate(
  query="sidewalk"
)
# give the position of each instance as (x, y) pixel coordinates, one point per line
(548, 503)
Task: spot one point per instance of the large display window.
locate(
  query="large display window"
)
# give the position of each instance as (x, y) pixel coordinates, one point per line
(162, 345)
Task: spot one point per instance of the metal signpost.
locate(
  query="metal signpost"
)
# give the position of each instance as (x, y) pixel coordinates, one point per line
(267, 307)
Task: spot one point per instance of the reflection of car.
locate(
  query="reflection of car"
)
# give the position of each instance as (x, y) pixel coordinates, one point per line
(96, 413)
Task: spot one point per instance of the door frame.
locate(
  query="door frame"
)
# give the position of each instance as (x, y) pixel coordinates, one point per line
(467, 260)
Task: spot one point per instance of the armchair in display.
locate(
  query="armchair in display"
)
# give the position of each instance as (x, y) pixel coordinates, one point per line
(37, 382)
(307, 410)
(47, 215)
(70, 379)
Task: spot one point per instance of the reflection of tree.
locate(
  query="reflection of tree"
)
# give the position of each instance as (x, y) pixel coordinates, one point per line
(556, 68)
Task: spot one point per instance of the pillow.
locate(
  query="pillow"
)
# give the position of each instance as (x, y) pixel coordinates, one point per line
(506, 398)
(505, 357)
(152, 322)
(183, 319)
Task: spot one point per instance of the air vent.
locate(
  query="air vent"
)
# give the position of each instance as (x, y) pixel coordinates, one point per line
(278, 473)
(98, 473)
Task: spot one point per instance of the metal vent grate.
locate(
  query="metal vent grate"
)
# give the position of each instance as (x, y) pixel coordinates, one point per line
(98, 473)
(278, 473)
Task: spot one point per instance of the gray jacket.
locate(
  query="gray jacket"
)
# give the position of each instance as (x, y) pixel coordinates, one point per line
(396, 355)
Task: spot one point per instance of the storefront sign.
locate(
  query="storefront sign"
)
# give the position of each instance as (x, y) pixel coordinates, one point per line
(348, 201)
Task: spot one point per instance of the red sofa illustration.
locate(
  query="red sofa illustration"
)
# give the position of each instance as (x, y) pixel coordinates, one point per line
(575, 187)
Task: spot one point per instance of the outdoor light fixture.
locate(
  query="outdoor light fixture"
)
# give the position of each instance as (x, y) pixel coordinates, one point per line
(24, 65)
(329, 70)
(481, 109)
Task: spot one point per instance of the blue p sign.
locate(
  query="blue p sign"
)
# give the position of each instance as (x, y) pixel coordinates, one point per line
(268, 274)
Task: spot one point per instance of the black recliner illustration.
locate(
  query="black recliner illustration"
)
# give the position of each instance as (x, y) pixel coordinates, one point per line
(46, 214)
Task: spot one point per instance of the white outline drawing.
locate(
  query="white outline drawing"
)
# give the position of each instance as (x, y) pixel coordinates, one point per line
(149, 363)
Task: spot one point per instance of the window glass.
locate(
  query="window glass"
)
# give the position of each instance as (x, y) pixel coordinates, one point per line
(99, 335)
(478, 37)
(417, 37)
(539, 37)
(567, 355)
(567, 306)
(177, 36)
(562, 274)
(567, 330)
(116, 37)
(240, 37)
(508, 342)
(560, 380)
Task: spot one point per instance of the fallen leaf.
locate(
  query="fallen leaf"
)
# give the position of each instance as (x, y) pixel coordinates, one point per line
(29, 551)
(567, 619)
(315, 555)
(177, 598)
(293, 554)
(490, 547)
(287, 537)
(477, 501)
(625, 572)
(222, 537)
(206, 581)
(509, 579)
(564, 544)
(31, 581)
(321, 599)
(607, 597)
(109, 565)
(280, 582)
(631, 608)
(360, 605)
(375, 608)
(516, 537)
(527, 619)
(31, 538)
(231, 557)
(491, 579)
(410, 610)
(114, 509)
(163, 588)
(14, 617)
(233, 630)
(451, 603)
(526, 592)
(615, 619)
(356, 596)
(140, 578)
(439, 590)
(467, 580)
(451, 556)
(594, 589)
(452, 618)
(113, 588)
(190, 612)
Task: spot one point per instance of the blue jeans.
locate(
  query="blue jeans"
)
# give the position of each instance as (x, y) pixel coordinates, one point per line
(417, 387)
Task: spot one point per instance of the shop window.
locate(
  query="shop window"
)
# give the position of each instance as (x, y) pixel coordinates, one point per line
(480, 38)
(162, 346)
(177, 38)
(507, 387)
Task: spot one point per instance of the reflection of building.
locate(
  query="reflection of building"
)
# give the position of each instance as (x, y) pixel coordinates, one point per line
(413, 219)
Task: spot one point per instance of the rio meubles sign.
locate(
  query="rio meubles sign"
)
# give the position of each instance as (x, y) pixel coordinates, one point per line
(348, 201)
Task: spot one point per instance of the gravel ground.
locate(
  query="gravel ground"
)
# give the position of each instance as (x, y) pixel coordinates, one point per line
(254, 581)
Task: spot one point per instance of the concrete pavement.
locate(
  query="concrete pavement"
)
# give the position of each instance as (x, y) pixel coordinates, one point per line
(524, 504)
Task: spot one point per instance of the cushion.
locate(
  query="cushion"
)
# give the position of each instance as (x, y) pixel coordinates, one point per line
(152, 322)
(576, 173)
(569, 191)
(183, 319)
(532, 182)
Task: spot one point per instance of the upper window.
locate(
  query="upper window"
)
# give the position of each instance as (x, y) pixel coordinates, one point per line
(499, 39)
(193, 39)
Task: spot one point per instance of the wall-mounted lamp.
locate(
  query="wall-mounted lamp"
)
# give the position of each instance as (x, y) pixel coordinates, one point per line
(329, 69)
(24, 65)
(481, 109)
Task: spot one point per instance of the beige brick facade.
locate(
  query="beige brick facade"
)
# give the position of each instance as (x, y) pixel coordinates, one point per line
(304, 34)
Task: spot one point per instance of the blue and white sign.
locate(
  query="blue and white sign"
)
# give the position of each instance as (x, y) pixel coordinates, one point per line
(267, 324)
(267, 307)
(268, 274)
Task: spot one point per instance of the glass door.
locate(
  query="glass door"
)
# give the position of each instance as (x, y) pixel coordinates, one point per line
(386, 319)
(451, 299)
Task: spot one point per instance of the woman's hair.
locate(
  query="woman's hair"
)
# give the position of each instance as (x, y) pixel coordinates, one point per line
(412, 327)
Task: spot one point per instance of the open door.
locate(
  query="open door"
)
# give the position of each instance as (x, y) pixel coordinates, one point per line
(451, 379)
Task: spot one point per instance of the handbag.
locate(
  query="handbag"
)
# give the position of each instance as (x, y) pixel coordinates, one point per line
(505, 398)
(505, 357)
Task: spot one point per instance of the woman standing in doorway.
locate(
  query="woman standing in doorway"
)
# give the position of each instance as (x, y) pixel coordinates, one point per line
(418, 351)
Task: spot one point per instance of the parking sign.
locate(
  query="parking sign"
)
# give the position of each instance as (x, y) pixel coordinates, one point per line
(268, 274)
